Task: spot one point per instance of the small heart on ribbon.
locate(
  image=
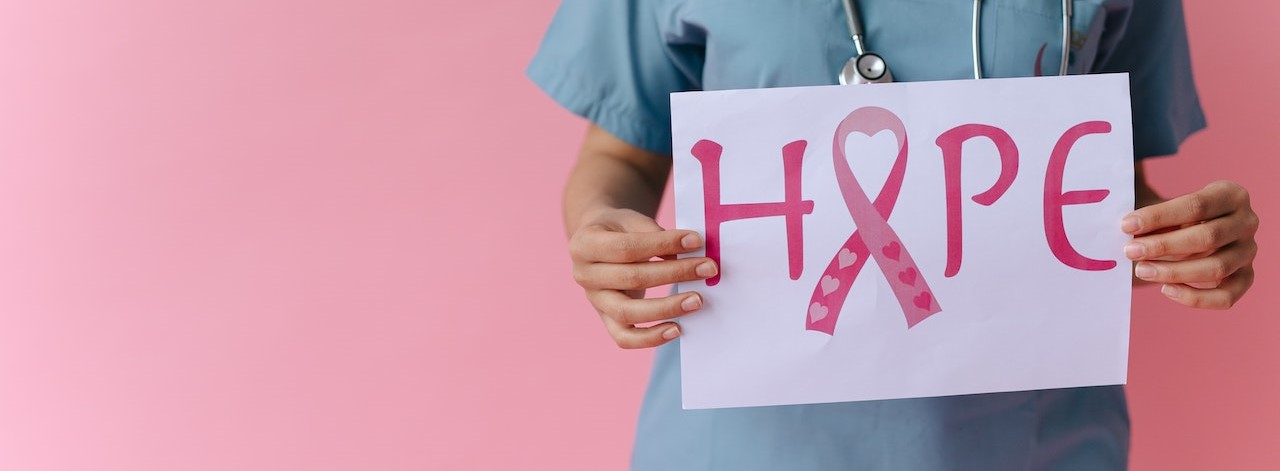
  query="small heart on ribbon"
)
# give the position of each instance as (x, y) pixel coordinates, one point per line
(829, 284)
(847, 258)
(817, 312)
(908, 276)
(922, 301)
(893, 250)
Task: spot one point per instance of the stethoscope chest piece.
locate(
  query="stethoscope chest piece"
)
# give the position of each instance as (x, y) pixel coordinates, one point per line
(867, 67)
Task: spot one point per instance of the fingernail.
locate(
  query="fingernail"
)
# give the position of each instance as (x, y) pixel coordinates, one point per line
(1130, 224)
(1144, 270)
(1171, 291)
(691, 241)
(706, 270)
(1134, 250)
(671, 333)
(691, 303)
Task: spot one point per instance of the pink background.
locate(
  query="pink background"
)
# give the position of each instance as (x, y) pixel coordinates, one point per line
(321, 235)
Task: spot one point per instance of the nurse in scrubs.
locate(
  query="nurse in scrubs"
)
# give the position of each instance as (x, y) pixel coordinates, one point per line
(615, 62)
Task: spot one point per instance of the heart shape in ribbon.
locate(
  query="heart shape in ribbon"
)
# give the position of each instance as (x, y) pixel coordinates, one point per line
(829, 284)
(908, 276)
(817, 312)
(846, 258)
(893, 250)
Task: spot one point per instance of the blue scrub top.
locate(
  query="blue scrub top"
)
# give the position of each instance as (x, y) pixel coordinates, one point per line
(615, 62)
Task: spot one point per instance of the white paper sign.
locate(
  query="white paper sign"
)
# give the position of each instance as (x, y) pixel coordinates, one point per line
(905, 240)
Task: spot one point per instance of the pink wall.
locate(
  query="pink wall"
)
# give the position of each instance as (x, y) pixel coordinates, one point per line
(1205, 386)
(322, 235)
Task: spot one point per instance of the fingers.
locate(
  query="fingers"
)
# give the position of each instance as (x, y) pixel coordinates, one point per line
(642, 275)
(630, 311)
(621, 313)
(1222, 297)
(1187, 241)
(601, 244)
(1206, 272)
(1216, 199)
(622, 308)
(614, 260)
(629, 336)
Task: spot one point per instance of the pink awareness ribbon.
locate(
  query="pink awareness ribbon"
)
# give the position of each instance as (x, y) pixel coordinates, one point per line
(873, 231)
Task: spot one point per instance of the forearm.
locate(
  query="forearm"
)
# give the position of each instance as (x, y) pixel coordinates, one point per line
(610, 175)
(602, 184)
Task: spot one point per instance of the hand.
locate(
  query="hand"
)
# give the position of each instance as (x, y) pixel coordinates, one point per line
(613, 261)
(1200, 245)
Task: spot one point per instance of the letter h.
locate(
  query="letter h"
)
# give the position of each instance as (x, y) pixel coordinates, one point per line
(792, 207)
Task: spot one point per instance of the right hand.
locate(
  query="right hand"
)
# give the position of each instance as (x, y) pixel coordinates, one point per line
(613, 260)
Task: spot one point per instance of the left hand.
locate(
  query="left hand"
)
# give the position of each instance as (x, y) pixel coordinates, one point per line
(1200, 245)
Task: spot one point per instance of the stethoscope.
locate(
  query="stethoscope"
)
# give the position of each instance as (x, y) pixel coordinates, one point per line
(869, 67)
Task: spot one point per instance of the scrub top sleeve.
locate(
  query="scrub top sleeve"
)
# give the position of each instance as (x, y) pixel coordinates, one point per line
(607, 61)
(1152, 48)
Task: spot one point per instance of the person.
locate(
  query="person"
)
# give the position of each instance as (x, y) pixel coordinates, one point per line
(615, 63)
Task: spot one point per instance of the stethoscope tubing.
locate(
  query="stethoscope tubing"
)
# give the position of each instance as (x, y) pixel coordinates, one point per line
(855, 26)
(854, 19)
(1066, 36)
(976, 31)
